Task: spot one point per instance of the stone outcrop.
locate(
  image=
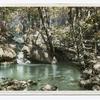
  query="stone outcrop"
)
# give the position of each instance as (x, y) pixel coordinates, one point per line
(91, 77)
(7, 53)
(36, 54)
(16, 85)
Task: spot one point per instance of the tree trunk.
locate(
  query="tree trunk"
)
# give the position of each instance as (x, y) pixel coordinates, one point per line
(45, 24)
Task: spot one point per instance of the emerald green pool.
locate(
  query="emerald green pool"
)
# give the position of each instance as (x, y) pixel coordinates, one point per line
(65, 76)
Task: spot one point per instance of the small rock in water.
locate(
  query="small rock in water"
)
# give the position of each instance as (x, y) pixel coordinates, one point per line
(3, 78)
(48, 87)
(30, 82)
(39, 80)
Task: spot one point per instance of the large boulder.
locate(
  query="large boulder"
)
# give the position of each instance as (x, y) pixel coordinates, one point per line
(36, 54)
(40, 56)
(7, 54)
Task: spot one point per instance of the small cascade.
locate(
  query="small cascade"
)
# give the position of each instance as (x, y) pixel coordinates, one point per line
(54, 60)
(18, 39)
(21, 59)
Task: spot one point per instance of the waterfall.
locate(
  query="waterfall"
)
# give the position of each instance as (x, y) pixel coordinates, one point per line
(54, 61)
(18, 38)
(21, 59)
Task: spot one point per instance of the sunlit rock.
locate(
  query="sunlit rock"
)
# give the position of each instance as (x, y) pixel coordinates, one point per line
(49, 87)
(7, 54)
(96, 88)
(26, 48)
(97, 66)
(1, 52)
(87, 71)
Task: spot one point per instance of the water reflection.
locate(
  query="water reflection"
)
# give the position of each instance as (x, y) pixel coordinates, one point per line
(54, 69)
(37, 73)
(46, 73)
(20, 71)
(64, 76)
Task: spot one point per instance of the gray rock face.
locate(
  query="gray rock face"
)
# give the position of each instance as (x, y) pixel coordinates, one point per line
(7, 53)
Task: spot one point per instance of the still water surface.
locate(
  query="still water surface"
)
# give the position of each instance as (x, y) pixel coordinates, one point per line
(65, 76)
